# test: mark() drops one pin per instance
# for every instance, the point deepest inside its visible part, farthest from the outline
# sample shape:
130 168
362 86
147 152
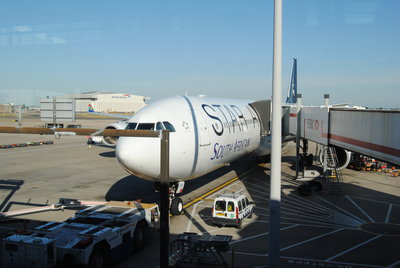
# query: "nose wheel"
176 206
175 203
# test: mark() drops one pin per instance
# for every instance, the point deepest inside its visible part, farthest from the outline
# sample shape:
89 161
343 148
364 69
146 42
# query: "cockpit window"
165 125
131 126
169 126
159 126
145 126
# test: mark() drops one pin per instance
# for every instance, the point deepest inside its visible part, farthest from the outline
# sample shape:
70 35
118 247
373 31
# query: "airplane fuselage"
206 133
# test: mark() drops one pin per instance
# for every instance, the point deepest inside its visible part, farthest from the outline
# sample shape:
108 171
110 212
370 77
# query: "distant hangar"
107 102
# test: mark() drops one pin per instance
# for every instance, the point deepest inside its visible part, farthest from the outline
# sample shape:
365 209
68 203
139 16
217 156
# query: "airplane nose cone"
139 156
122 153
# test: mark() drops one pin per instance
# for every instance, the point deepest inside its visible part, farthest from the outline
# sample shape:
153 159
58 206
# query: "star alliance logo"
185 125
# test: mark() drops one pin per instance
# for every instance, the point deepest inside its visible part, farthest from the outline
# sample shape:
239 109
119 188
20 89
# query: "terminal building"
107 102
7 108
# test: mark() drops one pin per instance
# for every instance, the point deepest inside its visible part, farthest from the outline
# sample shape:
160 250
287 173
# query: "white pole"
275 187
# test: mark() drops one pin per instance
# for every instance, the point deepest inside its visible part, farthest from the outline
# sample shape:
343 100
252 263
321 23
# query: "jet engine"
112 140
343 157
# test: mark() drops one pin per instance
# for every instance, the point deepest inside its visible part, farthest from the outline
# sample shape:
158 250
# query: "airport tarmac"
321 230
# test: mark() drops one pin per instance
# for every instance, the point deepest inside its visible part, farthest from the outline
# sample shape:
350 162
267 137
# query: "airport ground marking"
388 213
248 238
372 200
262 214
209 193
260 207
201 205
254 188
345 211
218 188
258 197
215 230
359 208
322 224
32 150
322 218
321 212
332 227
313 207
228 188
331 262
262 234
311 239
191 217
250 254
352 248
311 225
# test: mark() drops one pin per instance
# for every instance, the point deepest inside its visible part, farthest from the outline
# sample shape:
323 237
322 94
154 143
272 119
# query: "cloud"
361 12
22 28
58 40
42 36
45 38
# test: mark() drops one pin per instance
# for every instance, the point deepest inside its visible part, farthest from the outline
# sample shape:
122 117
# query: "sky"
220 48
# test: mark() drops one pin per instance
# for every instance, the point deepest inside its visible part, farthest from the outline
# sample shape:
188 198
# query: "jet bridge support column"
324 148
298 135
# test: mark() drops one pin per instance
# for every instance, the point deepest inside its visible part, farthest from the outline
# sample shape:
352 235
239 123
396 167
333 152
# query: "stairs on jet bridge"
333 176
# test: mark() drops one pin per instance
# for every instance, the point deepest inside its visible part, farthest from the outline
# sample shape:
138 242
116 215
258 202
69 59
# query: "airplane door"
204 135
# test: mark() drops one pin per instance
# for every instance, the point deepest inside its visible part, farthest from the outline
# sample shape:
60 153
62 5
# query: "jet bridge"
370 132
263 110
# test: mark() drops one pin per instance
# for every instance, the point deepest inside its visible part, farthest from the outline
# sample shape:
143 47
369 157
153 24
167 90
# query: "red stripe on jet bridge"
293 115
367 145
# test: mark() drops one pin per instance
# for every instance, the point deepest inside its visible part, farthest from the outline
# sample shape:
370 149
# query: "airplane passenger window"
145 126
131 126
169 126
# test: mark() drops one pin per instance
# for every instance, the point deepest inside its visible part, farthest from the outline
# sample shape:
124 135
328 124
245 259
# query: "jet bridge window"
145 126
131 126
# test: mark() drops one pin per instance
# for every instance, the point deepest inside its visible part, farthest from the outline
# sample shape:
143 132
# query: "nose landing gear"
175 203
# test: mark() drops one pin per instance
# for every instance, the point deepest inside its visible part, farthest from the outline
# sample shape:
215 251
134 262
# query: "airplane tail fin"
90 108
292 92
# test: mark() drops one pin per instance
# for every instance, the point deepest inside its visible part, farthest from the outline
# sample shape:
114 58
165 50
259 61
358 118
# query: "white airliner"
205 134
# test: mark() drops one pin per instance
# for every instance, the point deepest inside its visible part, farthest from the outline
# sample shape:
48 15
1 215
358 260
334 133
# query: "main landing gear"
175 203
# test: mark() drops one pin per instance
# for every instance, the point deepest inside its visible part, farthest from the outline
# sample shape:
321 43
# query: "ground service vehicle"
231 209
94 237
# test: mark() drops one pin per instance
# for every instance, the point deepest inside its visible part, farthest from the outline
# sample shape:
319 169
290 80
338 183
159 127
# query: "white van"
231 209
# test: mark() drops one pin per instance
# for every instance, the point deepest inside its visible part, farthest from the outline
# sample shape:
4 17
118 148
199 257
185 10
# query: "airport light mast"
275 186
